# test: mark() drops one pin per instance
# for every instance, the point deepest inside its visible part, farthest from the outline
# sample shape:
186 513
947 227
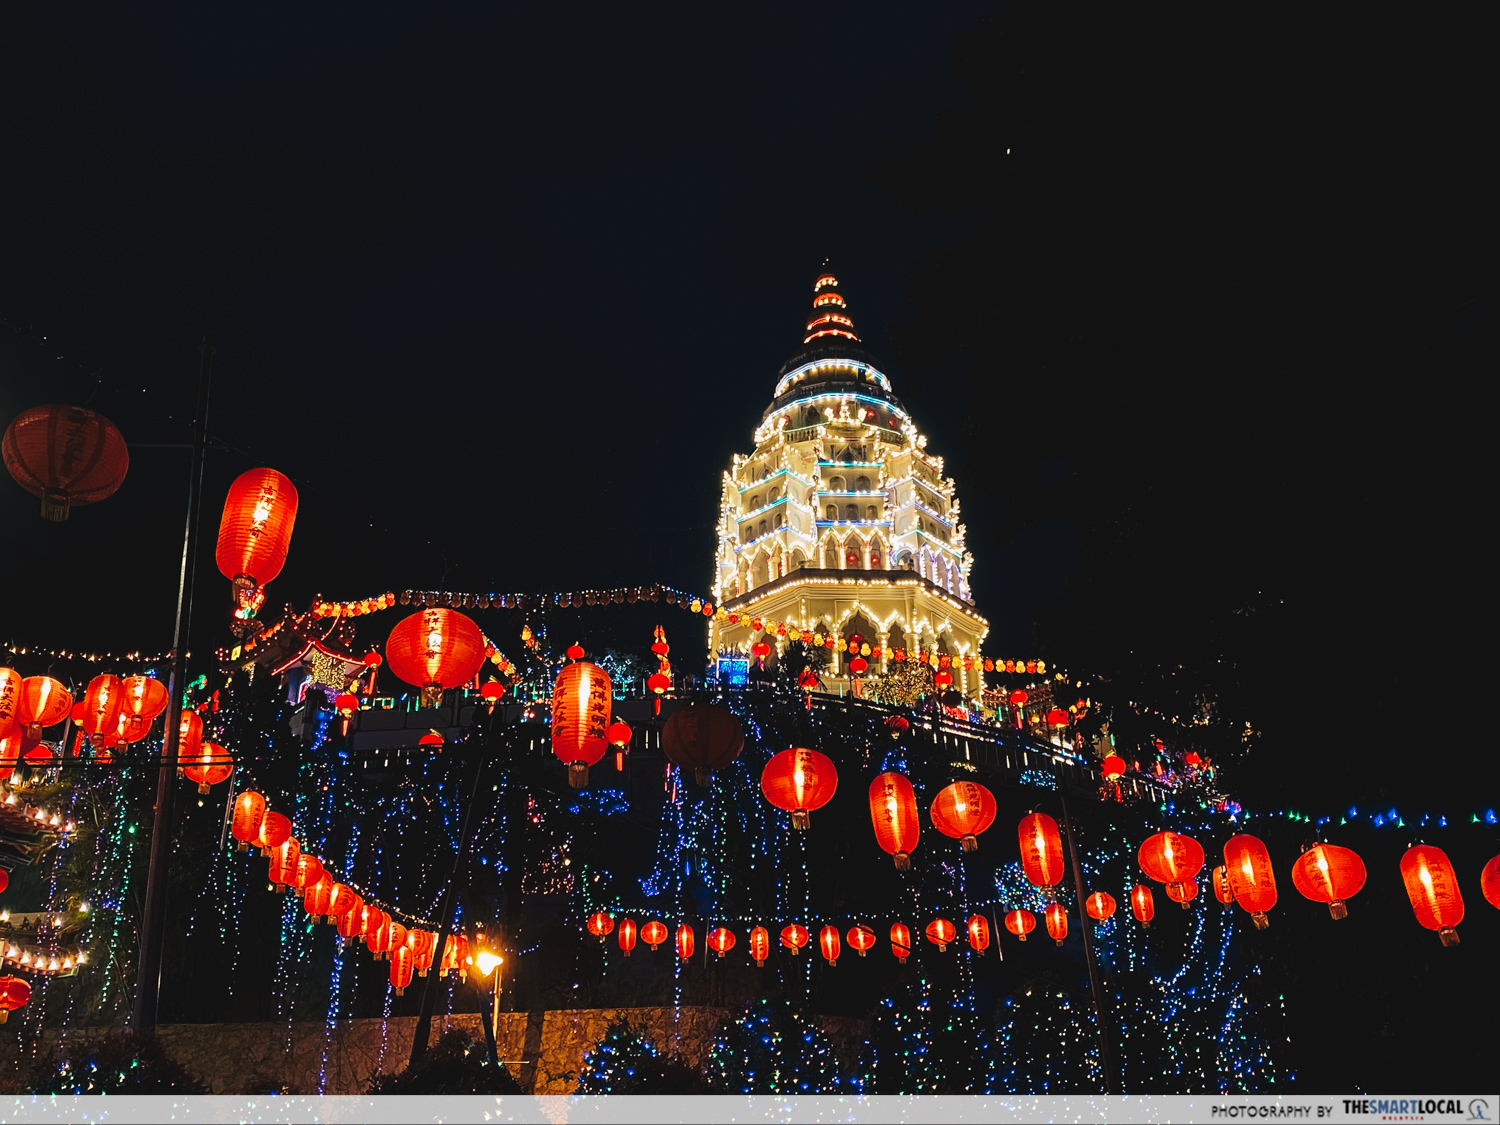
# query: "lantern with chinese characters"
1020 923
143 699
1099 906
799 780
963 810
861 939
423 947
1142 905
10 698
900 941
794 937
455 957
436 649
828 944
979 934
43 702
580 718
249 811
212 765
1183 893
189 738
274 828
1433 889
626 936
1489 882
307 872
1331 874
685 942
101 703
15 992
1113 768
760 945
893 810
1041 850
941 933
720 940
704 737
1171 858
1247 866
1219 878
256 530
284 862
351 922
65 456
403 961
342 901
317 895
1057 922
653 933
601 925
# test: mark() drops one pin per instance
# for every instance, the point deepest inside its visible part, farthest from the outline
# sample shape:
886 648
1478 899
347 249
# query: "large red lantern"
1113 768
341 901
378 934
1219 877
10 752
274 828
1020 923
1171 858
249 811
189 738
213 765
600 925
760 945
794 937
284 862
861 939
15 992
10 699
403 961
1142 905
941 933
1017 697
1099 906
351 922
101 702
799 780
963 810
1057 922
423 947
653 933
1489 882
720 940
44 702
704 737
900 941
455 956
436 649
65 455
317 894
1433 889
979 934
308 871
1057 718
828 944
893 809
580 718
897 725
626 936
256 529
1041 850
685 942
144 699
1247 865
1331 874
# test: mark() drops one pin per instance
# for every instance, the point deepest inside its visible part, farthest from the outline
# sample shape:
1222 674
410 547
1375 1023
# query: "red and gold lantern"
963 810
64 455
436 649
1020 923
720 940
1331 874
256 529
1099 906
1113 768
1247 865
1171 858
1433 889
1142 905
580 718
702 737
900 941
43 702
143 699
626 936
317 895
274 828
1057 922
351 922
284 862
249 811
979 934
403 961
101 703
653 933
1219 878
828 944
15 993
1489 882
760 945
342 900
799 780
685 942
600 925
212 765
941 933
1041 850
1183 893
861 939
893 810
794 937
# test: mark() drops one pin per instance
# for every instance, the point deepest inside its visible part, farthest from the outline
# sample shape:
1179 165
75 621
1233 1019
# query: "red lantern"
601 924
1171 858
619 735
828 944
317 895
1142 905
1099 906
249 811
213 765
284 862
900 941
627 935
760 650
14 994
1114 768
858 666
685 942
307 872
431 741
979 934
893 810
704 737
1433 889
963 810
720 940
345 704
1057 922
1057 718
274 828
423 947
1489 882
1192 759
455 956
403 960
1017 697
351 922
65 455
1183 892
799 780
897 725
1222 891
660 683
43 702
256 529
144 698
760 945
653 933
941 932
1041 850
1331 874
794 937
580 718
575 652
378 933
10 752
943 680
1020 923
436 649
189 738
491 693
1248 867
101 703
861 939
342 901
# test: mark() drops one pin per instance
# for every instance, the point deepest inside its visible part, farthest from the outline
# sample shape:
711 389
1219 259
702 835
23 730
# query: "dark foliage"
625 1062
117 1064
455 1064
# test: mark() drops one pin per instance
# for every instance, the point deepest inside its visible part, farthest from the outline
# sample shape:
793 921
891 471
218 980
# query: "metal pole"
153 921
1106 1048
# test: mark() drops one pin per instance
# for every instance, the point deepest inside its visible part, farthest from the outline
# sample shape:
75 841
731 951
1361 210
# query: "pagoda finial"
830 315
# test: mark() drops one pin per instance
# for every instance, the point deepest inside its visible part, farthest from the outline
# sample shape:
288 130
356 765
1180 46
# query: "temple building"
841 520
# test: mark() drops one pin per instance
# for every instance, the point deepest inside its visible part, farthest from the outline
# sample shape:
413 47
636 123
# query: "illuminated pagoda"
841 521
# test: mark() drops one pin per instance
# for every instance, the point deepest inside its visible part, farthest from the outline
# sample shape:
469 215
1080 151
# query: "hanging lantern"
10 699
1192 760
65 455
1331 874
1041 850
619 735
1433 889
274 828
1057 922
627 935
900 941
1018 697
794 937
897 725
760 945
43 702
574 652
1489 881
318 894
249 811
943 680
858 666
660 683
963 810
342 901
256 530
213 765
1113 768
1057 718
941 932
703 736
10 752
101 703
1171 858
685 942
455 956
580 718
1141 904
491 692
1099 906
143 699
284 863
799 780
423 947
1184 892
403 961
345 704
189 738
351 922
1247 866
653 933
861 939
1222 890
720 940
893 810
979 934
436 649
828 944
1020 923
308 870
15 992
600 925
378 935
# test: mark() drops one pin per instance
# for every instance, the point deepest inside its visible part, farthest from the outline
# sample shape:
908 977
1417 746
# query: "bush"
455 1064
117 1064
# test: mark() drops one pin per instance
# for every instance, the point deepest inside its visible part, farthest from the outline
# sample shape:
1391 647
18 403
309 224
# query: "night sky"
503 288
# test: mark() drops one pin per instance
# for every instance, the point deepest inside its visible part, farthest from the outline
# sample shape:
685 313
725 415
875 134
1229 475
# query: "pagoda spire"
829 320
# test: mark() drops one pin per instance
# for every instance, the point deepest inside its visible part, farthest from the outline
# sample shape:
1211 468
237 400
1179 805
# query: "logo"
1478 1110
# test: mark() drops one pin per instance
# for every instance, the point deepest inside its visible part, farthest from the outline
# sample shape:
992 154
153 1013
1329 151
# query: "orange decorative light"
342 900
626 936
189 738
43 702
580 718
794 937
1020 923
861 939
963 810
760 944
828 944
423 947
317 895
1099 906
256 529
1183 892
249 811
1222 890
653 933
284 862
1247 866
1017 697
101 703
15 992
1057 922
1489 882
979 934
308 870
403 961
65 455
893 810
351 921
212 765
274 828
1142 905
685 942
1171 858
1041 850
720 940
1331 874
900 941
1433 889
941 933
436 649
601 924
143 699
1113 768
799 780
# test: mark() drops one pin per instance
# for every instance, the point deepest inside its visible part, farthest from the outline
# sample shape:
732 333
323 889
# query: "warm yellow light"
486 962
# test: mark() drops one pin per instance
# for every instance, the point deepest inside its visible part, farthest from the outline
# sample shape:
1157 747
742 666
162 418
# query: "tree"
774 1049
456 1064
626 1062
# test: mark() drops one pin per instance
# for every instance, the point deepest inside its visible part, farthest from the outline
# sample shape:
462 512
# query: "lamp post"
487 963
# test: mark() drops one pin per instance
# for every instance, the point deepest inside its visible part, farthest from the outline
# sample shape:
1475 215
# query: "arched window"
755 502
778 519
799 560
762 528
836 484
774 496
904 561
851 511
749 533
832 512
863 484
830 556
761 571
869 511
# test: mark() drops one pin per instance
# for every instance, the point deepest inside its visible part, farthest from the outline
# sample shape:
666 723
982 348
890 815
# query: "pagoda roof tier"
854 580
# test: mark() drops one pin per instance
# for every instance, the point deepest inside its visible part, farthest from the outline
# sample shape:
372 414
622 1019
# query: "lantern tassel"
703 776
1448 936
903 863
799 820
970 844
578 775
1338 909
1261 921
